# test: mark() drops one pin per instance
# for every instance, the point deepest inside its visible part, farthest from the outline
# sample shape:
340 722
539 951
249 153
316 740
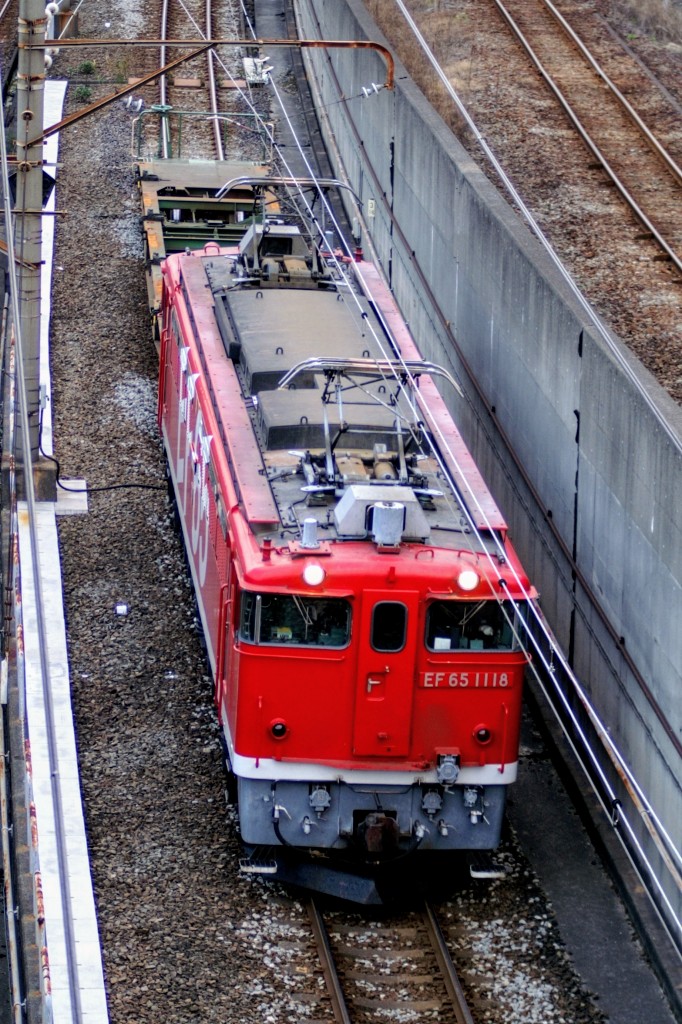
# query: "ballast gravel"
185 937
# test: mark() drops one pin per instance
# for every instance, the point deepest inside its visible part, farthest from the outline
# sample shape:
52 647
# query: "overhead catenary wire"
647 813
495 568
605 334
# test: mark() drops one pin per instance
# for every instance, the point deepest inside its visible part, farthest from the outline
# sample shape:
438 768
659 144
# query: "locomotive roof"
344 434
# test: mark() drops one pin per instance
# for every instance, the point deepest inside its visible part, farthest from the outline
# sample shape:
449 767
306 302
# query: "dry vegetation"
660 18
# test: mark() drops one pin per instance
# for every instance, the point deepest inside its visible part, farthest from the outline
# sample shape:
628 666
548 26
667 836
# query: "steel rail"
444 962
331 977
212 90
453 985
636 59
612 752
211 79
163 86
119 94
587 138
546 514
597 323
657 147
211 87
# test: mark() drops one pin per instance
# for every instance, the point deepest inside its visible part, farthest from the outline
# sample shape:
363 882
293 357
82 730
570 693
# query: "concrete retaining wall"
586 419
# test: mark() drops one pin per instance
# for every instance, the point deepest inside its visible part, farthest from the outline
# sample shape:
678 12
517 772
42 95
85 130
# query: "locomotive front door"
386 673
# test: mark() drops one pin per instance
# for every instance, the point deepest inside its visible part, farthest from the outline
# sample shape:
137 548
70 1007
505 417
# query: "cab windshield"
294 619
470 625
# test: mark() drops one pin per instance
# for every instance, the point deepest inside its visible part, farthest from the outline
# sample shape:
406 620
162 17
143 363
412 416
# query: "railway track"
193 91
184 936
200 96
402 967
631 282
642 169
593 597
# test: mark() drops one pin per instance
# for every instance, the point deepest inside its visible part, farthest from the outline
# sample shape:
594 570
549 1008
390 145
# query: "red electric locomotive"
358 593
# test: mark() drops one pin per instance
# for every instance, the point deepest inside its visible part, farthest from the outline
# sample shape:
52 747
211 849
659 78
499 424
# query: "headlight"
313 574
468 579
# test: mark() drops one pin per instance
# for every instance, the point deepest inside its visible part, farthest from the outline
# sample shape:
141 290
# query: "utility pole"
28 211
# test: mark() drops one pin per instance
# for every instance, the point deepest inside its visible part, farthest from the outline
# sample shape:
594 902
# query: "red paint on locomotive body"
360 632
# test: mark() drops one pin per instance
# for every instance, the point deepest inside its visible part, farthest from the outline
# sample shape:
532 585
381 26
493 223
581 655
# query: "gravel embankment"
185 938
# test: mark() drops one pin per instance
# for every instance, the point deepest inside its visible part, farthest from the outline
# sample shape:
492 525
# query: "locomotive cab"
383 681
